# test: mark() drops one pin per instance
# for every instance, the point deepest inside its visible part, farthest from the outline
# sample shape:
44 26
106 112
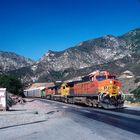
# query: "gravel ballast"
33 111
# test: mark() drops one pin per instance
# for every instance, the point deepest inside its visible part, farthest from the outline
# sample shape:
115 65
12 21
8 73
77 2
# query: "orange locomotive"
99 89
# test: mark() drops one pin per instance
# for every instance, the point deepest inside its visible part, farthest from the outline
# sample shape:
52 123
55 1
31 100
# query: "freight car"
100 89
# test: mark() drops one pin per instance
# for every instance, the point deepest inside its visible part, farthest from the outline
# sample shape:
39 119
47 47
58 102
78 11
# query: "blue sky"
32 27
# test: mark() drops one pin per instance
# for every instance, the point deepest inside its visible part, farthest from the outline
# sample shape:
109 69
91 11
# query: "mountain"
11 61
132 39
87 53
94 52
114 53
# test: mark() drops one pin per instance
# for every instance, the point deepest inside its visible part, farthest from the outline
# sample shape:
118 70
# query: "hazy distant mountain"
116 54
11 61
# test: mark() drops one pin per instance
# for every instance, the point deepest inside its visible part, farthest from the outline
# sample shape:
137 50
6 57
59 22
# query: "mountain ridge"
12 61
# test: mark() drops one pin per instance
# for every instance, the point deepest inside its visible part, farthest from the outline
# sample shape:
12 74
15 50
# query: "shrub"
12 84
136 93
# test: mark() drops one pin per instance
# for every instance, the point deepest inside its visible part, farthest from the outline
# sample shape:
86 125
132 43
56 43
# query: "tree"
136 93
12 84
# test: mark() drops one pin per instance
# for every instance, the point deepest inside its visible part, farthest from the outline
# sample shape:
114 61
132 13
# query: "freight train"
98 89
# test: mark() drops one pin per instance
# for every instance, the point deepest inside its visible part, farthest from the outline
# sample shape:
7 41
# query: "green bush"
136 93
129 98
12 84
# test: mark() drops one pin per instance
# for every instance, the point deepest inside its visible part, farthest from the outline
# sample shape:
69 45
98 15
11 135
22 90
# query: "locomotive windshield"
111 77
100 78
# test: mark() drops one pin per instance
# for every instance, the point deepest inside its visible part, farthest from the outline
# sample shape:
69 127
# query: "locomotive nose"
114 87
110 86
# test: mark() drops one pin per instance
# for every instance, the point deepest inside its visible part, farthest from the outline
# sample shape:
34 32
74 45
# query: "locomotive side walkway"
43 119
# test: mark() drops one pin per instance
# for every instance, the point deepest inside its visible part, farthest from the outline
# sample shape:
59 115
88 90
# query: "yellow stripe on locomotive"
64 89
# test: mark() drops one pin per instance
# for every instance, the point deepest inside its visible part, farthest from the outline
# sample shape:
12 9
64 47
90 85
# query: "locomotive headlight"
111 82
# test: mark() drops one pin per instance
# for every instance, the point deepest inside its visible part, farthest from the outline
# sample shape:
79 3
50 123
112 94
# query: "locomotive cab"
108 89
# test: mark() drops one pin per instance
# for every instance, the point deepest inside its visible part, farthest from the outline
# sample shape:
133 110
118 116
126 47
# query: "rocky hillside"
116 54
132 39
11 61
87 53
